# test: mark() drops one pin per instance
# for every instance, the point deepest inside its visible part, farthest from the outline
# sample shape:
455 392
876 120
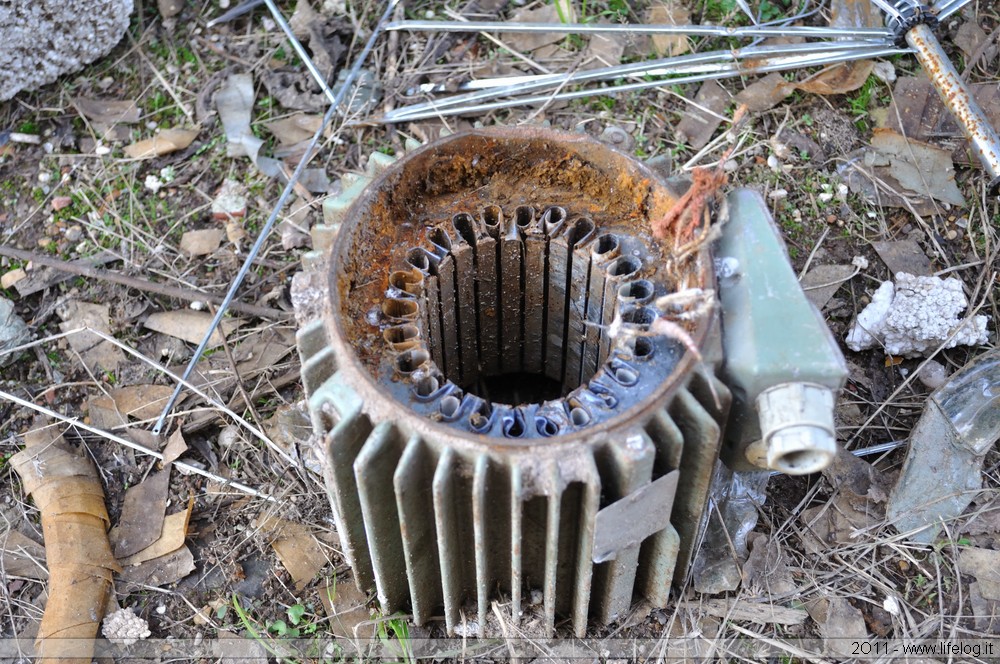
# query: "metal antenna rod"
265 231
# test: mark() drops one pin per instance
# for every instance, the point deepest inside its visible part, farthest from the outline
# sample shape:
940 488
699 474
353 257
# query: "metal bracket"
629 521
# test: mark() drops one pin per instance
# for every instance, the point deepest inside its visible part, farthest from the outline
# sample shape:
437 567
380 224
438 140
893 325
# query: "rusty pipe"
959 100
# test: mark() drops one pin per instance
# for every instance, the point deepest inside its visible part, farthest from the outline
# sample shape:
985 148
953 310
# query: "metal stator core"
486 391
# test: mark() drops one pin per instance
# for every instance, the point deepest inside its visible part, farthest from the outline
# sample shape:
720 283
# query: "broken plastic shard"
943 467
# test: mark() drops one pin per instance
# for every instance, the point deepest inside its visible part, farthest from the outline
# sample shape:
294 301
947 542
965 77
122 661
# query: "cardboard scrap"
839 623
297 548
822 281
201 242
68 493
176 446
347 609
161 571
903 256
703 117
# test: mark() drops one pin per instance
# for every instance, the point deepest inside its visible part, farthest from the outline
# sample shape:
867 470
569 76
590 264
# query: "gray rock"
44 39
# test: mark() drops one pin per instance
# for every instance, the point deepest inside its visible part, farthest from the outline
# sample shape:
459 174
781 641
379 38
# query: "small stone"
102 150
161 609
778 194
831 218
932 374
825 198
730 165
153 183
772 163
952 234
60 202
44 176
74 233
885 72
229 202
12 277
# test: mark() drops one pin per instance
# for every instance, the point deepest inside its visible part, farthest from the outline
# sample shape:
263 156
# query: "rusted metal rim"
486 254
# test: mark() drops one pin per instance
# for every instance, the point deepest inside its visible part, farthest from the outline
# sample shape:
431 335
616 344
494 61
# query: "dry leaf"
12 277
108 111
821 282
189 325
141 401
68 493
172 537
904 256
165 142
297 549
22 556
527 42
839 623
347 610
700 120
161 571
671 12
176 446
141 521
765 93
838 79
984 564
99 355
295 128
201 243
919 167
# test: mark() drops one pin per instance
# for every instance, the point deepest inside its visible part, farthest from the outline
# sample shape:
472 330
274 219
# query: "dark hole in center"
518 388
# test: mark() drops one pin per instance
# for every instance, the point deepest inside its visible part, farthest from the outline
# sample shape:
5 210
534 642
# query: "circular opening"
450 405
802 462
625 375
642 348
492 216
400 334
417 257
411 360
427 386
639 291
606 244
399 309
639 316
407 281
523 216
625 266
579 417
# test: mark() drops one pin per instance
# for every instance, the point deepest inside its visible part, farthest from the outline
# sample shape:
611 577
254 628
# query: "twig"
139 284
201 421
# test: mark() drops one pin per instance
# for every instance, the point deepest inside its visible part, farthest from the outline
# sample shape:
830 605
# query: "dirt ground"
76 193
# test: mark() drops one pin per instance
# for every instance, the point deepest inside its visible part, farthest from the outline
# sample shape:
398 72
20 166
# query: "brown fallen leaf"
347 610
141 402
903 256
172 537
822 281
142 516
108 111
165 142
669 12
838 79
765 93
99 355
22 556
527 42
68 493
176 446
297 549
161 571
984 564
700 120
839 623
201 243
919 167
189 325
295 128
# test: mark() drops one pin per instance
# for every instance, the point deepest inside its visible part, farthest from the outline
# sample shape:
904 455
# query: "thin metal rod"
661 67
639 29
684 64
946 8
886 7
266 230
279 18
186 467
959 100
736 69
